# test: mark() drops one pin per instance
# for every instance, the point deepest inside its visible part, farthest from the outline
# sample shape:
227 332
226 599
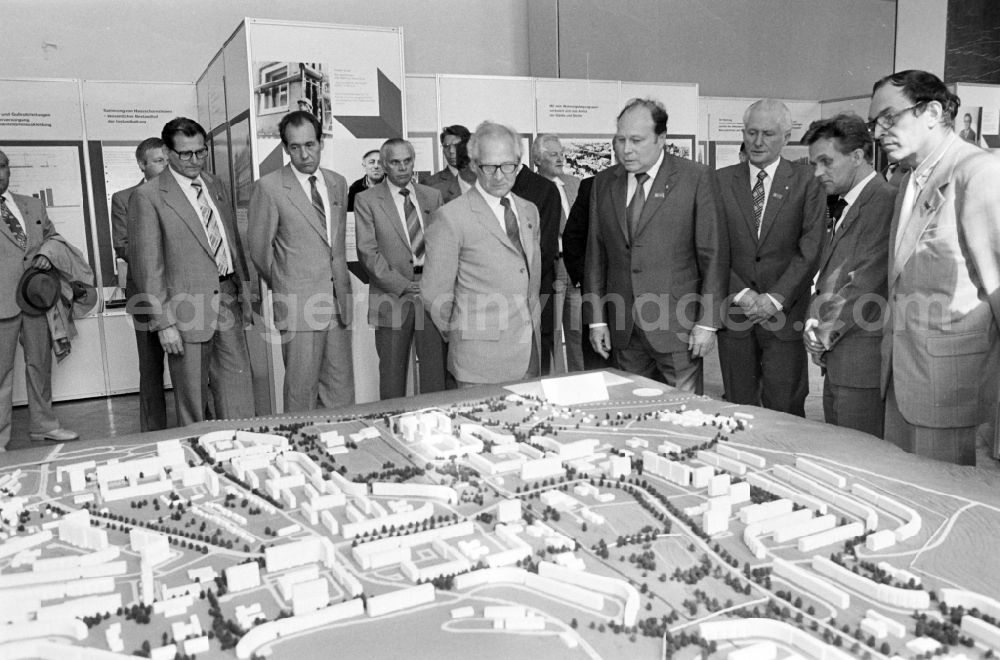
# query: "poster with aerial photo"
680 145
586 156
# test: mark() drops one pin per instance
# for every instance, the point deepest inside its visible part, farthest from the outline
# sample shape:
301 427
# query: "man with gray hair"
547 157
482 270
775 214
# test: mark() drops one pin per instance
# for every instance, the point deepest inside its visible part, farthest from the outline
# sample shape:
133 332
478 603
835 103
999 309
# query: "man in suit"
190 272
151 157
547 157
374 174
656 253
844 330
25 227
574 250
941 347
775 214
297 230
481 276
391 222
451 137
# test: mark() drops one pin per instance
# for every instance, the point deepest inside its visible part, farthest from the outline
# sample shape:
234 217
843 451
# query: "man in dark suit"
297 233
374 174
151 157
391 222
656 253
574 247
547 157
775 215
451 137
545 196
844 330
190 272
25 226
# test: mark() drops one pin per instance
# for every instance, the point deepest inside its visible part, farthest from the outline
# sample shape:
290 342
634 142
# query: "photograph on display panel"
586 155
281 87
681 145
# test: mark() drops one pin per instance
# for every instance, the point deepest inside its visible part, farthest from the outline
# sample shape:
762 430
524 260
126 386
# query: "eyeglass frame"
187 156
491 170
886 122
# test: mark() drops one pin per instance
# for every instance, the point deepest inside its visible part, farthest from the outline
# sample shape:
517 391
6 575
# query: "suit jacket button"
215 291
636 270
752 283
757 259
331 279
522 270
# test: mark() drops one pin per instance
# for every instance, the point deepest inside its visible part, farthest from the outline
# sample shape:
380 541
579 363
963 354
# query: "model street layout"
651 525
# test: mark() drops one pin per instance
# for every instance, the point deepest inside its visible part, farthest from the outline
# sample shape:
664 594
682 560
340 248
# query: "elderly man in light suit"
297 230
24 226
941 350
190 272
481 278
844 330
392 220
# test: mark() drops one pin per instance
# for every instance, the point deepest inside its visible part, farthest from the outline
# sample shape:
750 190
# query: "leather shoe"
57 435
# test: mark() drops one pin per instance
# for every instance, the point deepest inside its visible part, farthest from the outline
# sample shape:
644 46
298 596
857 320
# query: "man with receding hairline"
775 214
941 347
374 174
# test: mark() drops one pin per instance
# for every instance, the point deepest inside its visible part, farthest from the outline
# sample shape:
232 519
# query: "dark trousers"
860 408
677 369
152 397
758 369
393 348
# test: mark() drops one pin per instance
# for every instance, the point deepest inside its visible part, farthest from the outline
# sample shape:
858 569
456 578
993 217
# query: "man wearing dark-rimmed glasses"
940 348
190 272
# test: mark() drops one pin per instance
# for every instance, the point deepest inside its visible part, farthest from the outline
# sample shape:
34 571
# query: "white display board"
421 104
470 100
721 118
857 104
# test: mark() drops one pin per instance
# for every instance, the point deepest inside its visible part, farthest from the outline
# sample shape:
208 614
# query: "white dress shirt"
303 180
398 200
915 185
494 203
852 196
192 197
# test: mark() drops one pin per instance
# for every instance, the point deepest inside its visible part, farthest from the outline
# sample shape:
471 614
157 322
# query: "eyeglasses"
888 121
188 155
506 168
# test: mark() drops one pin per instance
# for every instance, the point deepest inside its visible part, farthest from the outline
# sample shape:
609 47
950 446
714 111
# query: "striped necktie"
413 224
636 203
13 224
211 224
758 200
317 201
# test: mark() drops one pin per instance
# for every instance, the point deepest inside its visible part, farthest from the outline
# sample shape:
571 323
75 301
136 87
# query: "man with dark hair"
774 212
190 272
968 133
297 234
481 275
656 253
374 174
151 158
843 333
941 347
392 221
451 137
25 226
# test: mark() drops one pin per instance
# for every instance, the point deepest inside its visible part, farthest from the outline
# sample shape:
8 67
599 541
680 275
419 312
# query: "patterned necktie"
510 223
638 201
758 200
317 201
412 224
13 224
836 210
211 223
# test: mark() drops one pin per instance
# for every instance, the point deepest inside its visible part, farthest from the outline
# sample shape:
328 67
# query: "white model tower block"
619 466
718 485
243 576
310 596
152 547
508 511
701 475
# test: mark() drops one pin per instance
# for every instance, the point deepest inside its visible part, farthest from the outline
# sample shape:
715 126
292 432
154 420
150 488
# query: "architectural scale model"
644 526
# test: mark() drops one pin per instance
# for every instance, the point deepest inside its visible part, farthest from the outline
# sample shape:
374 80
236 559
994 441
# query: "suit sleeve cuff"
775 301
706 327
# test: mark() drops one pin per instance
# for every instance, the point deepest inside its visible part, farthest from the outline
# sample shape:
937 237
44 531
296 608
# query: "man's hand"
701 342
747 301
41 262
763 309
600 339
814 346
171 342
412 287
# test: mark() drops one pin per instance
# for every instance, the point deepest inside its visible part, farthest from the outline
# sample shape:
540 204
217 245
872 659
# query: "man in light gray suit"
297 230
547 156
190 272
392 219
482 274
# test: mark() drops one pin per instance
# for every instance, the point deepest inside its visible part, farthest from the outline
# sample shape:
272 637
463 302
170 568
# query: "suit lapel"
829 245
658 191
894 265
424 201
485 216
175 198
779 192
744 198
619 192
390 210
5 230
297 198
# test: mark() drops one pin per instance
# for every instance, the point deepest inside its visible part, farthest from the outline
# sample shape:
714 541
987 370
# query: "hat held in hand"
37 291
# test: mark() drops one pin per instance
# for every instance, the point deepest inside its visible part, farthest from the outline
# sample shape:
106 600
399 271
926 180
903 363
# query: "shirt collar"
652 171
926 167
303 178
183 181
394 189
492 200
770 169
453 170
853 193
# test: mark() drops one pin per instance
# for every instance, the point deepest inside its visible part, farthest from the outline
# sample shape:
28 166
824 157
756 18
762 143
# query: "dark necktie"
836 210
412 224
758 200
13 224
636 204
510 223
317 201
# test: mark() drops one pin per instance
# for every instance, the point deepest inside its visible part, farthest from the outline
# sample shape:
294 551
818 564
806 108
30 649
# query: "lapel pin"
777 195
659 195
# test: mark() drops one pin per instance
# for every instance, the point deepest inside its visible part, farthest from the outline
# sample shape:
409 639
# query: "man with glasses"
656 255
940 350
297 234
191 273
482 269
